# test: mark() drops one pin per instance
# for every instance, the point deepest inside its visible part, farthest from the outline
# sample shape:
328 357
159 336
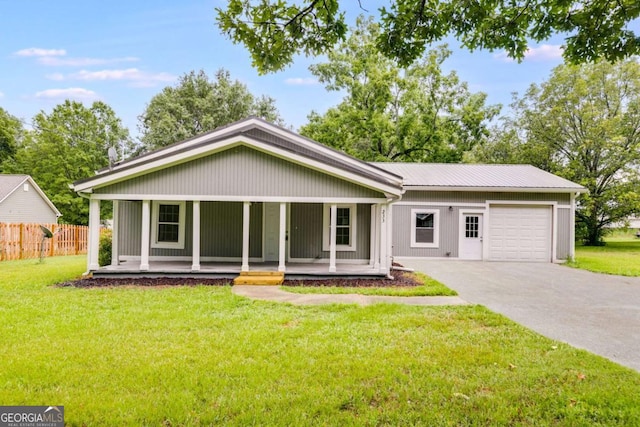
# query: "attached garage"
520 233
483 212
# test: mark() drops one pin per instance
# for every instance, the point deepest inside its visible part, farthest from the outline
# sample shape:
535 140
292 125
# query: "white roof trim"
330 152
26 178
160 163
163 152
226 198
38 190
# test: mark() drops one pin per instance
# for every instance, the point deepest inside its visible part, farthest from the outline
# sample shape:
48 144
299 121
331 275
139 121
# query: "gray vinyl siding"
480 197
240 171
27 207
564 235
305 232
129 228
220 228
449 219
448 232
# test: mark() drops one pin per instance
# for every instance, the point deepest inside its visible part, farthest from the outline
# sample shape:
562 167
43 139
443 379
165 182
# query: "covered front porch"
213 237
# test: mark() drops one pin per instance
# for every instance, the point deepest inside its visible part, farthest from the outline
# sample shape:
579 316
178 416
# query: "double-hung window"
168 224
345 227
424 228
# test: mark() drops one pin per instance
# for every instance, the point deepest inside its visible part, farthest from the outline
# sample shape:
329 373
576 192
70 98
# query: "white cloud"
301 81
35 51
69 93
545 52
82 62
502 56
55 76
136 77
1 94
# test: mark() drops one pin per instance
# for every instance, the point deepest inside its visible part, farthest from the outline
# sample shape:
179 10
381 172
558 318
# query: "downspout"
390 201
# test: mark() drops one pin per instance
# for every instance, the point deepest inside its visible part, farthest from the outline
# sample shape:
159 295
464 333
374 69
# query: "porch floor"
231 270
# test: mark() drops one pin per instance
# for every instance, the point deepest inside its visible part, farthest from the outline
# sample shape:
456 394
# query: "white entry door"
470 236
271 231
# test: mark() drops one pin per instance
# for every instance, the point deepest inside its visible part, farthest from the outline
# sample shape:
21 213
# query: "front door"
471 236
271 231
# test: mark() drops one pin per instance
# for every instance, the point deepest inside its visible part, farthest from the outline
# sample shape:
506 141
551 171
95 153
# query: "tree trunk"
594 231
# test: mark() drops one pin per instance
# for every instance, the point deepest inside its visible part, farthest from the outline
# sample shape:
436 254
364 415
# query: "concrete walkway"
596 312
274 293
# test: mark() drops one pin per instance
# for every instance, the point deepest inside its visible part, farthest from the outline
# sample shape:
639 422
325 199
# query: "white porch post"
384 230
114 233
94 234
245 236
282 237
195 251
332 238
144 240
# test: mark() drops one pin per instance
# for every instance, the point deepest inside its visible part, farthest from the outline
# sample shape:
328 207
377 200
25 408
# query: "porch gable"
239 171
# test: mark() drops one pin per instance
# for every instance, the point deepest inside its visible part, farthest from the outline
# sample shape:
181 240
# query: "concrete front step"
259 278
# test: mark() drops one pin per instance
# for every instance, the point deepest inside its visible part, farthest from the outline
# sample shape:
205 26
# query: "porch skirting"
228 269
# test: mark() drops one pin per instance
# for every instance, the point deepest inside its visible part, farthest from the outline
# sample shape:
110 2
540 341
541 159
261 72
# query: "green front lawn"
204 356
620 255
430 287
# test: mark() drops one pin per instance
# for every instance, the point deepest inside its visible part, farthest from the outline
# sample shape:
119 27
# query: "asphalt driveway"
596 312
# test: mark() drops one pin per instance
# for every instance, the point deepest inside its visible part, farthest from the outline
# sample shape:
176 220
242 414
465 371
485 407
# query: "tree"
274 31
389 113
582 124
196 105
11 132
66 145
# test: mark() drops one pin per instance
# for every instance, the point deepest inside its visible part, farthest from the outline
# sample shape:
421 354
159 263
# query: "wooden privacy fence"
22 241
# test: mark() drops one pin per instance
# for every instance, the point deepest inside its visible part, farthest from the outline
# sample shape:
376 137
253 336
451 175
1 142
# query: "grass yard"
204 356
430 287
620 255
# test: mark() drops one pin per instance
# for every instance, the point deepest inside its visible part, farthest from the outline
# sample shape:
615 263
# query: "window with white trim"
168 224
345 227
425 228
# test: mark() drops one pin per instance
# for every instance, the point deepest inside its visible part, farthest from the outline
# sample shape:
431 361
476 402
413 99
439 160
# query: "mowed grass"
204 356
620 255
430 287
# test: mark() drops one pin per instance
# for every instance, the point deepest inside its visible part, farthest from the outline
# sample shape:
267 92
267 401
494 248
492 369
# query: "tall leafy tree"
274 31
583 124
411 114
11 132
66 145
197 104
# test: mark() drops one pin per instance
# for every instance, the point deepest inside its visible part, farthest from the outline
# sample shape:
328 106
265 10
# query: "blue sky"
125 52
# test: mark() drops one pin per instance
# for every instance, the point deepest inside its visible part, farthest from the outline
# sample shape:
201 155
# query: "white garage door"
520 233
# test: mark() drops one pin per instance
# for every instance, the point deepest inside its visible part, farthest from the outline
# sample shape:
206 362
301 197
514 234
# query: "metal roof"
258 130
478 176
